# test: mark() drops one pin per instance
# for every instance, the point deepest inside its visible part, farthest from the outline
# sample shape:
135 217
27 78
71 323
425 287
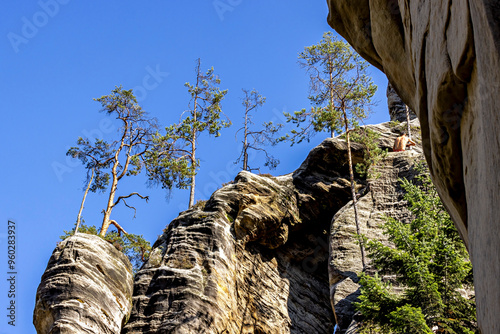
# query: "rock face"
262 255
87 288
443 59
255 258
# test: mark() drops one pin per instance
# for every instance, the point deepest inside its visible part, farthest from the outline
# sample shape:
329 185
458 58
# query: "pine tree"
431 264
341 93
254 139
203 115
110 162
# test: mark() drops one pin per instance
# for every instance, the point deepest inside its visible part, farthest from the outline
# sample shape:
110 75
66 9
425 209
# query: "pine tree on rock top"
204 114
107 163
340 94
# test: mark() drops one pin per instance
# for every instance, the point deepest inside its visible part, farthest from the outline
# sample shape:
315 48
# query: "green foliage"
134 246
372 152
430 262
109 162
340 90
393 124
254 139
172 160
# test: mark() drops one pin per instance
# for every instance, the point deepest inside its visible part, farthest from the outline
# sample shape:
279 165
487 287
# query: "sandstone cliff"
443 58
262 255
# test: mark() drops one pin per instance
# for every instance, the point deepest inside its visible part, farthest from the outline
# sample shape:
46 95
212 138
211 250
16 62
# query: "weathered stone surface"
254 260
397 108
86 288
443 59
383 197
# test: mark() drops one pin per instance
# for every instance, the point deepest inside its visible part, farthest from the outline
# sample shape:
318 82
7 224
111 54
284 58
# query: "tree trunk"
353 193
193 139
107 213
245 142
78 218
408 124
193 178
332 132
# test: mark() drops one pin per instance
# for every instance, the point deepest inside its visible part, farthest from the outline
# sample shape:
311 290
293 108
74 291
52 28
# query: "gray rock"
397 108
86 288
255 258
443 58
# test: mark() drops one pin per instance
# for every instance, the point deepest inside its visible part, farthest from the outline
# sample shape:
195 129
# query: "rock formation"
255 258
86 288
397 108
262 255
383 198
443 59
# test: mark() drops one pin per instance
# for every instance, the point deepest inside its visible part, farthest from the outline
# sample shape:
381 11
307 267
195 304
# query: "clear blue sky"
57 55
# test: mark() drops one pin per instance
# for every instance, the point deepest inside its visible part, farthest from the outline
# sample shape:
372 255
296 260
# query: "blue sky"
57 55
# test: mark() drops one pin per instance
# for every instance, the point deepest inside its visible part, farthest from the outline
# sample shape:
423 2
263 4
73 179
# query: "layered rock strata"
253 260
443 58
86 288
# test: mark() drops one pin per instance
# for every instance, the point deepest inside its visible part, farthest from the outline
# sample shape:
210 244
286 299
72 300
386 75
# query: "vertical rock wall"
383 198
397 108
443 57
253 260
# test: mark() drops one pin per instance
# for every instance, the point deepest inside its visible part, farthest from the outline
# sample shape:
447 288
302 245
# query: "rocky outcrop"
262 255
255 257
397 108
86 288
253 260
443 57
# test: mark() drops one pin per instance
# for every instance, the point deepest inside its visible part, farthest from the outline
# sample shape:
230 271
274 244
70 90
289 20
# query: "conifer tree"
254 139
431 264
341 93
109 162
204 114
